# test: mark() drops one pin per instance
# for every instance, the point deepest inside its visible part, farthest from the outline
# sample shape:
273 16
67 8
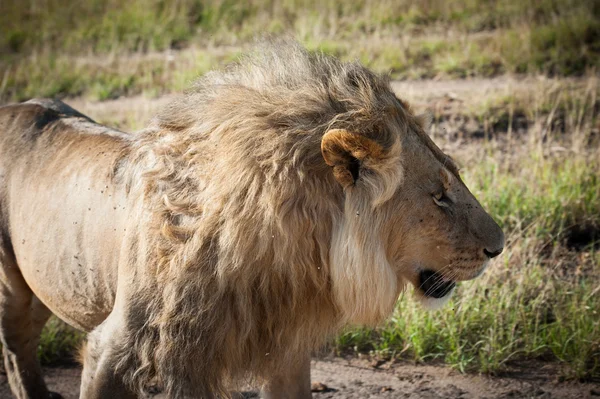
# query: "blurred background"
512 88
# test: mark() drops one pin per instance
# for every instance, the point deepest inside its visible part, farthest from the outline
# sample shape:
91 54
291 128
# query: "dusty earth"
353 379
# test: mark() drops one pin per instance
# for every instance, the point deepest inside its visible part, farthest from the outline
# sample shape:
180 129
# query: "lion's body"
217 244
56 173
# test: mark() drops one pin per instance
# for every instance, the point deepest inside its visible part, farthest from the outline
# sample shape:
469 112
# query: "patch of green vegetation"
99 26
554 193
59 343
512 314
47 75
566 46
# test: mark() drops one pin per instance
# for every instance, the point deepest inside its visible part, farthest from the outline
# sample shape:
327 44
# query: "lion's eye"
441 199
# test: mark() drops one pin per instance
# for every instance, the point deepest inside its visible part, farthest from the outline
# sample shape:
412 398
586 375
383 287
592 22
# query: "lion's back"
23 125
39 128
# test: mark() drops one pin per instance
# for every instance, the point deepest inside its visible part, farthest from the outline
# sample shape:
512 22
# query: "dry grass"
106 49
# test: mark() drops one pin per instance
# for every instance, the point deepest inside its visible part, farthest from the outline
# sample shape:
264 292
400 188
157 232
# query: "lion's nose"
492 254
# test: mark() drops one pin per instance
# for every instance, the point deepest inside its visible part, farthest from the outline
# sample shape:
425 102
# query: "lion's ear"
346 153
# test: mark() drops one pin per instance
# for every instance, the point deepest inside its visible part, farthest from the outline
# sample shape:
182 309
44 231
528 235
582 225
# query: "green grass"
510 314
108 77
58 343
140 25
546 193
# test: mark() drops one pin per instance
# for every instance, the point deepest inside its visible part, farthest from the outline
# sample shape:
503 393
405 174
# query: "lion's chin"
431 303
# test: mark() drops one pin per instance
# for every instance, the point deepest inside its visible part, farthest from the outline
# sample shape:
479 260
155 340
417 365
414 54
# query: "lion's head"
407 214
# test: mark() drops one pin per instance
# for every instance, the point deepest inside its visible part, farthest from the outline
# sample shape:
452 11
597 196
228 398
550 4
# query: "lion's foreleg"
292 382
99 378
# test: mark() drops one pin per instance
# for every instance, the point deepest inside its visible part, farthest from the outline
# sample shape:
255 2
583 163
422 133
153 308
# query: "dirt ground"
357 379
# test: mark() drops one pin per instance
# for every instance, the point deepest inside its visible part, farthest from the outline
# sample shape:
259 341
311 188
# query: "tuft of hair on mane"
244 217
283 84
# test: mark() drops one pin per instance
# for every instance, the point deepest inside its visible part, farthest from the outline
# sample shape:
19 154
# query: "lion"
273 203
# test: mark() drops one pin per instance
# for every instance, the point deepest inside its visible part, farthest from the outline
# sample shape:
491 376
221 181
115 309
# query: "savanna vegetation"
529 150
108 48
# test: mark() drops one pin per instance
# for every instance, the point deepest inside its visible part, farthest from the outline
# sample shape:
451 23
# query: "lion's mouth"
434 285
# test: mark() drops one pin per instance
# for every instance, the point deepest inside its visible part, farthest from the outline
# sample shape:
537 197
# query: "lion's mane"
237 274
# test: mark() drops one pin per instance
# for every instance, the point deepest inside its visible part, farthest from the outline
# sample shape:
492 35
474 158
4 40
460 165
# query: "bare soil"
357 379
